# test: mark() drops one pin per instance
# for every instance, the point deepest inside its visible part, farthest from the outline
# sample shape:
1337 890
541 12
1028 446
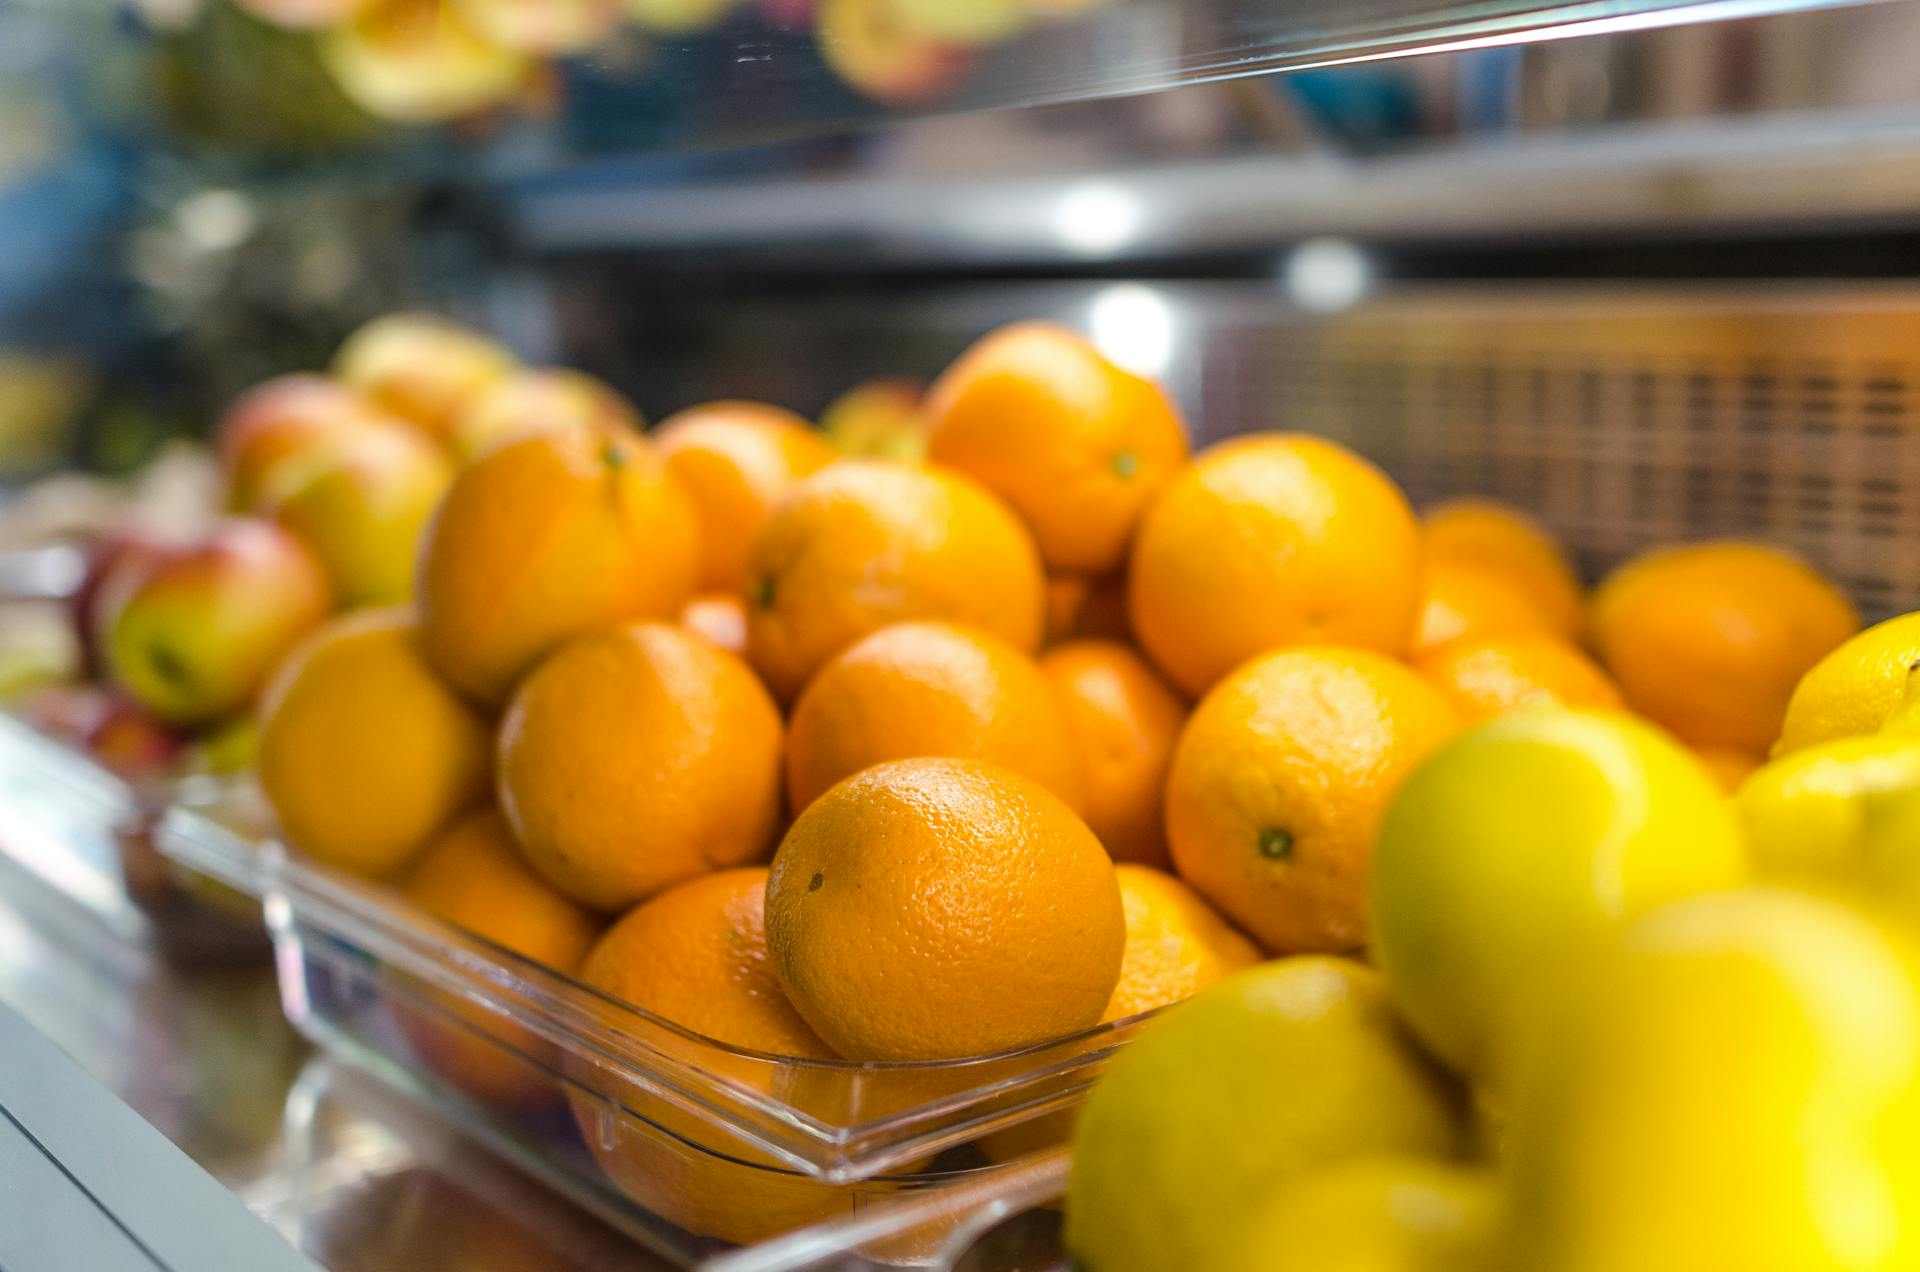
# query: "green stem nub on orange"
1126 463
1276 844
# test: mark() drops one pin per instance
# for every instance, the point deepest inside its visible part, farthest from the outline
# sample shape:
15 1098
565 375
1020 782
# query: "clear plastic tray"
694 1147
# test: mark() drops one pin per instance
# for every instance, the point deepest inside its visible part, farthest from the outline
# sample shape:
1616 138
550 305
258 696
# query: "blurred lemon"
1737 1090
1853 689
1517 843
1373 1214
1805 814
1276 1072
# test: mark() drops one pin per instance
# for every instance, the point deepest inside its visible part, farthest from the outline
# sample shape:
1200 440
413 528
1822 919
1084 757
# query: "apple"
192 632
360 502
423 369
962 21
867 45
536 400
542 26
788 15
131 743
881 419
276 421
303 15
123 547
420 61
678 16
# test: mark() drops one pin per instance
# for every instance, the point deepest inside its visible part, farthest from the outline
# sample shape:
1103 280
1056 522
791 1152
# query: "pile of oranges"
922 758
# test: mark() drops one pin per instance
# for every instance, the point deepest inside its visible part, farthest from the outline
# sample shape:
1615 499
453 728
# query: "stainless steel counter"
357 1176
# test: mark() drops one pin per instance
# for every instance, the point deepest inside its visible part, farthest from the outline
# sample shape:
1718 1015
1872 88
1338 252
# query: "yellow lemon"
1372 1214
1265 1077
1520 841
1805 814
1735 1088
1853 689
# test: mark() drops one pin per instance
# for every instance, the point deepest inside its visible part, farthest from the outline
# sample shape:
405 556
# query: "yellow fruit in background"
364 755
1734 1088
737 461
423 368
419 61
635 758
1805 814
1260 1081
1267 541
536 400
1505 541
1855 688
677 16
881 419
1493 676
1124 720
935 909
1708 640
1373 1214
1517 845
864 543
546 537
1035 413
1278 783
1465 602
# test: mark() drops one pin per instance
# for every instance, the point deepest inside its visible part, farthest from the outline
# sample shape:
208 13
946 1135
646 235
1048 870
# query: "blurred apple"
867 45
420 61
538 400
123 546
423 368
360 502
677 15
131 743
303 15
542 26
192 632
881 419
788 15
278 420
962 21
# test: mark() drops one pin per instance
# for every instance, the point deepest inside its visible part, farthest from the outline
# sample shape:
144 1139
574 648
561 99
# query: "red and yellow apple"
360 502
132 743
192 632
867 45
539 400
542 27
117 549
424 369
304 15
420 61
277 421
881 419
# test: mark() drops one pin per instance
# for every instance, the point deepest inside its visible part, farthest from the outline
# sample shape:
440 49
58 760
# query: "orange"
1279 782
637 757
1085 607
1075 444
1507 542
537 400
719 617
1123 720
472 877
545 537
696 955
1272 540
914 689
1709 639
364 755
935 908
1465 602
864 543
1730 768
737 460
1486 677
423 368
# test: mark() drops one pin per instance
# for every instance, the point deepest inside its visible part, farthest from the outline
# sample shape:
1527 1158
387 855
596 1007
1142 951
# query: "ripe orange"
1123 720
1507 542
538 400
933 909
697 955
737 460
472 876
421 367
864 543
1709 639
1466 602
364 755
914 689
1078 446
1267 541
545 537
1279 782
637 757
1486 677
719 617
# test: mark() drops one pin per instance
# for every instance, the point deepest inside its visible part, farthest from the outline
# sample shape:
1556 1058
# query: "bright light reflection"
1133 326
1097 218
1327 273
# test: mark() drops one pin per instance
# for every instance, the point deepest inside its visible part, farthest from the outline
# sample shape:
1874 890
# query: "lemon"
1804 814
1373 1214
1515 845
1286 1067
1737 1089
1890 847
1853 689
